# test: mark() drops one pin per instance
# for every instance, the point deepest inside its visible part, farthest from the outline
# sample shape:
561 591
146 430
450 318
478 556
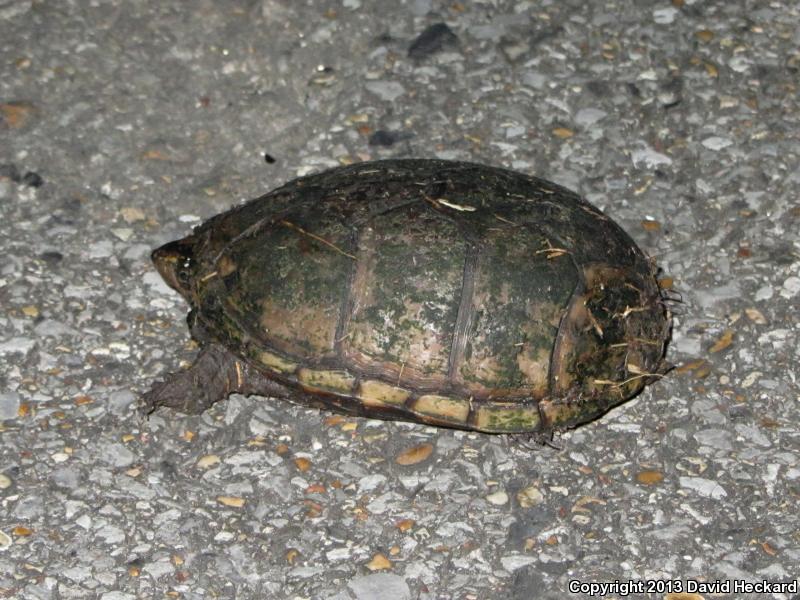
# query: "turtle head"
176 263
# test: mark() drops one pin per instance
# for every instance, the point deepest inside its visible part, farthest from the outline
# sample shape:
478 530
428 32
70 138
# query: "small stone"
380 586
649 477
302 464
405 524
751 378
386 90
117 596
756 316
30 311
665 16
32 179
513 562
414 455
16 115
131 214
119 401
764 292
650 158
739 63
9 405
384 138
704 35
209 460
791 287
379 563
716 142
59 457
66 477
563 133
497 498
370 482
514 49
5 481
650 225
123 233
589 116
432 40
17 345
529 497
232 501
725 340
117 455
704 487
5 540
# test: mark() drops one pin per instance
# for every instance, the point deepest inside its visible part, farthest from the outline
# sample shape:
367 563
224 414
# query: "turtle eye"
183 274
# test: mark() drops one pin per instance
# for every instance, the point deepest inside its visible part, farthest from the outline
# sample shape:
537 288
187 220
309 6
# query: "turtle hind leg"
214 375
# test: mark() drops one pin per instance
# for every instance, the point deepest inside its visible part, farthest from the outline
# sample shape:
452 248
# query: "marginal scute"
507 417
377 393
561 413
326 380
446 408
276 363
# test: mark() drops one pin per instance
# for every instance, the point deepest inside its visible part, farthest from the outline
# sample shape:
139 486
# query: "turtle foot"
176 393
194 390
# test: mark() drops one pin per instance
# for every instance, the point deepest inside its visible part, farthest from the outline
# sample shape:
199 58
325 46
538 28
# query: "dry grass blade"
321 240
552 252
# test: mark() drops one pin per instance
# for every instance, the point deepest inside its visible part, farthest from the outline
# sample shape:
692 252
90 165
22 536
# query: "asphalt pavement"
124 124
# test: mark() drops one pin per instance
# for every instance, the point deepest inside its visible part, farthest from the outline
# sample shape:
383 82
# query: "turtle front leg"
214 375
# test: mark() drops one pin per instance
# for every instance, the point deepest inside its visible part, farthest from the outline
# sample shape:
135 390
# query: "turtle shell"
448 293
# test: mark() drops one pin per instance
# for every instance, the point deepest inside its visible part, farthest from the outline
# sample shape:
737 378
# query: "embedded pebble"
650 158
791 287
9 405
17 345
120 401
497 498
386 90
433 39
530 496
716 143
589 116
512 562
380 586
665 16
117 455
704 487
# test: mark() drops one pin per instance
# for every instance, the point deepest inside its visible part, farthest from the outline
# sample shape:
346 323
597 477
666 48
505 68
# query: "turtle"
447 293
